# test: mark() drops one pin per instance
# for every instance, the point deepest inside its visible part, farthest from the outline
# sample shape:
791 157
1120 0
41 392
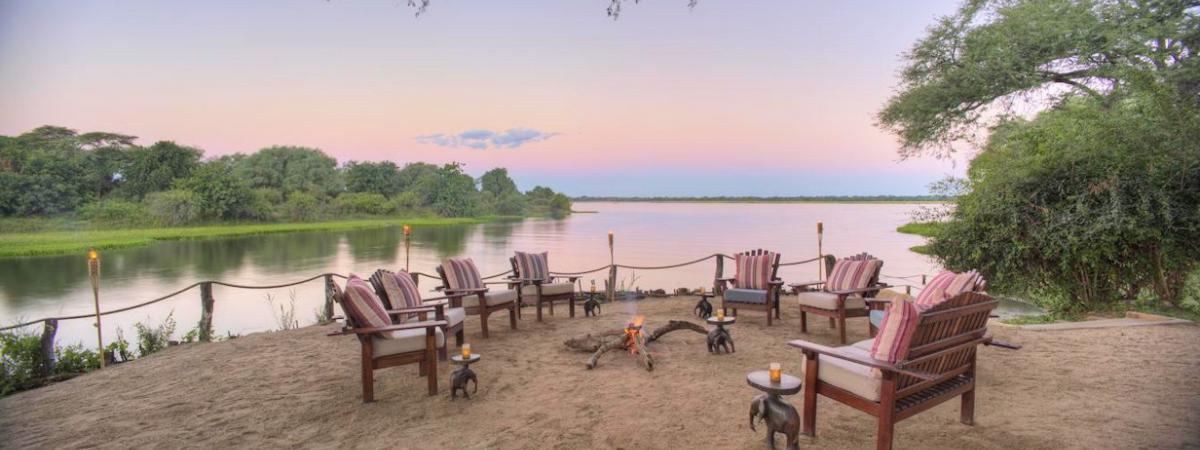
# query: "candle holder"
775 371
466 351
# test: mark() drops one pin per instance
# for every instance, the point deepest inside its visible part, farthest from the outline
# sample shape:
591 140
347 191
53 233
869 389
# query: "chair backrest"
530 259
864 256
944 341
358 314
774 270
460 274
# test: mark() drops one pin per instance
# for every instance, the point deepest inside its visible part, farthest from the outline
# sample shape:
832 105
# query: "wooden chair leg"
483 320
539 309
810 396
458 336
512 316
572 307
368 372
768 311
887 411
803 322
431 361
967 414
551 307
842 327
423 368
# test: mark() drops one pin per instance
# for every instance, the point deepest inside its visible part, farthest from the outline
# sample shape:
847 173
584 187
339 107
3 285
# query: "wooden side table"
719 338
779 415
460 377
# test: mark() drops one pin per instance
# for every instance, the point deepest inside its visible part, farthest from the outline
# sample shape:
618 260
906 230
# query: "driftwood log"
603 342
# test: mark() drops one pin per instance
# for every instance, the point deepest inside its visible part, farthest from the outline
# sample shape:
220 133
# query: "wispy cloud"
482 139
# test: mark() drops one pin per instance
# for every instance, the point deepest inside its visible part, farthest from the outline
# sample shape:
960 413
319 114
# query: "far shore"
59 242
841 200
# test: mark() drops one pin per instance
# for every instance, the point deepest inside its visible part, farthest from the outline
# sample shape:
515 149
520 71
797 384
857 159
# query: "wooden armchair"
849 282
943 285
399 290
461 277
938 365
754 285
538 285
390 345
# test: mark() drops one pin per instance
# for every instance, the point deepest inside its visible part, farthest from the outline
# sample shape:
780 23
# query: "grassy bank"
78 241
924 229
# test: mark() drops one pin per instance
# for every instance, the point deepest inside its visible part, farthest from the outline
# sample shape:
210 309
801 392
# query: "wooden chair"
543 290
837 304
876 306
448 308
737 297
482 301
940 365
413 342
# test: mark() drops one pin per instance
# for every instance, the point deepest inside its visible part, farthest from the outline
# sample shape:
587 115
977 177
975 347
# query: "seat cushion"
825 300
492 297
856 378
864 345
530 292
404 341
876 320
737 295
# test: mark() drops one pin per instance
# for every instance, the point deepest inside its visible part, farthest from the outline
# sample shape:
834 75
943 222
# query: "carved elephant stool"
770 408
703 308
719 338
591 307
459 378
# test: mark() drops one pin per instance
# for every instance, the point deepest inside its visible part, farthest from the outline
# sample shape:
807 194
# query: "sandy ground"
1106 388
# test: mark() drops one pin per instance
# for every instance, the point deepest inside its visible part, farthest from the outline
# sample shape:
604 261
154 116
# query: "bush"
219 193
115 212
263 203
174 207
20 361
153 339
404 202
361 203
74 359
300 206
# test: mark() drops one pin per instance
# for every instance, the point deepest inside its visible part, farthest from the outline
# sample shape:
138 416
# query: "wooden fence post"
206 311
49 327
612 282
329 297
720 274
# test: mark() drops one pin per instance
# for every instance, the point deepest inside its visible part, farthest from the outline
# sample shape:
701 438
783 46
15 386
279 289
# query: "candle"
720 314
701 290
407 230
776 372
466 351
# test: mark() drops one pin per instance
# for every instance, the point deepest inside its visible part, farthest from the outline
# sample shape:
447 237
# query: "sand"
1104 388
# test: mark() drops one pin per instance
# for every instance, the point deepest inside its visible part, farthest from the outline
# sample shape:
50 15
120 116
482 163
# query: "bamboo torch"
820 253
407 233
94 275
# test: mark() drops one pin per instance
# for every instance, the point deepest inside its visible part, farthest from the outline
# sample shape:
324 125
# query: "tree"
381 178
43 172
497 182
219 193
157 168
454 193
974 66
291 169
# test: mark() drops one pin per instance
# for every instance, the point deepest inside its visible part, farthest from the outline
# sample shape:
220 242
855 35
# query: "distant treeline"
107 178
795 199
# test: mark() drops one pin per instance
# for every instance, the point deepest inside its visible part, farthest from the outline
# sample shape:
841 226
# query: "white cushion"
454 316
530 292
864 345
492 297
825 300
405 341
856 378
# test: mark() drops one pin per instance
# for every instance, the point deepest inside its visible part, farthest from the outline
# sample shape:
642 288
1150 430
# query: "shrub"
219 193
114 212
361 203
74 359
300 206
263 203
20 361
153 339
174 207
404 202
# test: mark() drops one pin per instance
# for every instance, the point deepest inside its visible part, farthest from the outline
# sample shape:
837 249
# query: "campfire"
632 338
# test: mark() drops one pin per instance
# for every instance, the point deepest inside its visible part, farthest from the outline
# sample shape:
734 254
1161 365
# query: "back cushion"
533 265
753 271
947 285
852 274
896 331
361 304
462 274
401 289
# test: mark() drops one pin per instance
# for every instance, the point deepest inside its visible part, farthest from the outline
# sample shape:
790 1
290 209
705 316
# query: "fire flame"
632 331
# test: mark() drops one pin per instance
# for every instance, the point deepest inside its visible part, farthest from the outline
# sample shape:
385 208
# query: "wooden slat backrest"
338 297
512 260
774 261
945 340
442 273
377 283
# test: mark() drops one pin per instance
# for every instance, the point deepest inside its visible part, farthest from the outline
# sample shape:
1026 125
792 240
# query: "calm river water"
647 234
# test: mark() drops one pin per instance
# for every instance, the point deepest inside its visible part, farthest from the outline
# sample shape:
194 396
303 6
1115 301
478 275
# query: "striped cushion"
361 304
462 274
850 274
753 271
896 330
949 284
534 266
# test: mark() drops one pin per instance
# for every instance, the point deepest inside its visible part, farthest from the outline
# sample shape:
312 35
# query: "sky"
770 97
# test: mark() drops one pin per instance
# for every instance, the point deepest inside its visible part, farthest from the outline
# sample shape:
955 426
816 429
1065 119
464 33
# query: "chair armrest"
534 281
809 347
994 343
854 291
465 291
403 326
442 299
798 286
879 301
485 283
776 282
418 309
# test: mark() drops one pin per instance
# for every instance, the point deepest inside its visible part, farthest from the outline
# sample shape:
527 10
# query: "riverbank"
42 243
1102 388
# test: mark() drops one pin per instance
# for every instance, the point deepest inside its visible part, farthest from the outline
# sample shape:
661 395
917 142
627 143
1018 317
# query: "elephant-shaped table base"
719 339
591 307
459 379
780 417
703 308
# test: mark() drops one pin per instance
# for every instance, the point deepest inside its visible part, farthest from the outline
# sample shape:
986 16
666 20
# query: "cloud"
481 139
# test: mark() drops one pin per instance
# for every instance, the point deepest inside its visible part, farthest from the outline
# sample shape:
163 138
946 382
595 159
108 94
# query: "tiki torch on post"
94 274
612 269
407 233
820 254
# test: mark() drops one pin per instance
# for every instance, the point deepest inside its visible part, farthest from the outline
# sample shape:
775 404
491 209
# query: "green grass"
924 229
78 241
1032 319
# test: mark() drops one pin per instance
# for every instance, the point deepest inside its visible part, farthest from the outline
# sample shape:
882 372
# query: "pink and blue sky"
770 97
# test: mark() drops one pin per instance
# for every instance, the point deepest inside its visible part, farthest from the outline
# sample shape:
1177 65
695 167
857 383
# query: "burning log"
630 338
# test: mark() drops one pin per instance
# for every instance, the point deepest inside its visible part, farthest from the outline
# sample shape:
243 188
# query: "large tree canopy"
291 169
973 66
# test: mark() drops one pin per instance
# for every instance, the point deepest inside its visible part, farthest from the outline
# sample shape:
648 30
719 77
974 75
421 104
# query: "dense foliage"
106 179
1096 196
